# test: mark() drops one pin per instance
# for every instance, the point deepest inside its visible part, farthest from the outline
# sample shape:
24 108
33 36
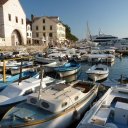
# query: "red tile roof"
2 2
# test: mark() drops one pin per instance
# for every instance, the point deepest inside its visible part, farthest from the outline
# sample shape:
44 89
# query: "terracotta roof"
2 2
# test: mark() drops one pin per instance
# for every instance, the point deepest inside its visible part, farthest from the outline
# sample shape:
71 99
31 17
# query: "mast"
41 75
89 37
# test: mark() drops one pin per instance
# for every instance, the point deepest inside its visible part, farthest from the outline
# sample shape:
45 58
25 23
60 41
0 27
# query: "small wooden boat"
111 111
54 107
98 72
68 69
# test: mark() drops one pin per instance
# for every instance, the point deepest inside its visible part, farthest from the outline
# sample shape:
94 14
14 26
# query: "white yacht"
98 72
111 111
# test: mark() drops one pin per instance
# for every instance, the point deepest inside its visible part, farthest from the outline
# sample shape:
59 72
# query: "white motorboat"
55 107
17 92
50 67
26 65
108 58
47 58
98 72
111 111
68 69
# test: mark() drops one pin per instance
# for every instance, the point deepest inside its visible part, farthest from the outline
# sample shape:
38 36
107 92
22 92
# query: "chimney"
32 18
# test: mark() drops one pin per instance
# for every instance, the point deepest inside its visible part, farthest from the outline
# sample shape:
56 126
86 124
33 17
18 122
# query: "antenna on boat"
41 76
20 75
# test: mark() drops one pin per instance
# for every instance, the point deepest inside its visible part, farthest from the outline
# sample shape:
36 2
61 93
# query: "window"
27 34
76 98
50 34
33 100
36 27
28 92
45 105
37 34
43 27
44 35
50 27
22 21
16 19
64 104
43 20
9 17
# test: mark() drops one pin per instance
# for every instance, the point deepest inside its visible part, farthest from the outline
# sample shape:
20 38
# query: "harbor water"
117 70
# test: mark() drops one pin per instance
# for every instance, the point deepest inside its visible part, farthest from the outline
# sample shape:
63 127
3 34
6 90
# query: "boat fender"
76 115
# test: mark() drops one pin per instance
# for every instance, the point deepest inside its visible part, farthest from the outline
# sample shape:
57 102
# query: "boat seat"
80 88
101 116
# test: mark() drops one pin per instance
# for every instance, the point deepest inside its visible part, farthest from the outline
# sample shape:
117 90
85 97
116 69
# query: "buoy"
76 115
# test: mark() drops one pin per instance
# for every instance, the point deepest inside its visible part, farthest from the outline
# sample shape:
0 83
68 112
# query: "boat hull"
96 77
68 73
67 117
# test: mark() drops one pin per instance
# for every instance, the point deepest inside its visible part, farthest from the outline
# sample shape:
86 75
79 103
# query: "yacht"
103 38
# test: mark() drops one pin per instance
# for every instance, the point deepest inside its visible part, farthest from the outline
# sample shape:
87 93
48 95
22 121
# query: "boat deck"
26 111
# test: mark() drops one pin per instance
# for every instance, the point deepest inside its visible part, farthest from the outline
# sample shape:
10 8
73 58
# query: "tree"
69 35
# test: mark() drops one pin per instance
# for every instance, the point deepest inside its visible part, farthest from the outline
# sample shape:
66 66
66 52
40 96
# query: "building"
12 23
29 32
47 30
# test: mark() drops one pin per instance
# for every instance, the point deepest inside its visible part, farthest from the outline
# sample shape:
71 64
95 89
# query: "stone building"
47 30
12 23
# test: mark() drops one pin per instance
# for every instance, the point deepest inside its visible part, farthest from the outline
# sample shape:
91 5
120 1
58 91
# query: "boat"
18 92
54 107
98 72
104 39
111 110
26 65
106 58
46 59
50 67
15 78
68 69
14 66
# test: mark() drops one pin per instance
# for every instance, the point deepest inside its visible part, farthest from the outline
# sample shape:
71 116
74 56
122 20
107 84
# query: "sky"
109 16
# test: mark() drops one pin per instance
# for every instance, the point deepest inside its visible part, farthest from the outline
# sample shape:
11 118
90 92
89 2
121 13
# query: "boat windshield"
11 91
99 69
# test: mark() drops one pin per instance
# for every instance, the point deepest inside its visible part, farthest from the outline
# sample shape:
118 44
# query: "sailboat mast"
89 37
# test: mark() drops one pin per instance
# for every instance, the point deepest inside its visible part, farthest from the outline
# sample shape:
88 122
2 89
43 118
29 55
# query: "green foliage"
69 35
